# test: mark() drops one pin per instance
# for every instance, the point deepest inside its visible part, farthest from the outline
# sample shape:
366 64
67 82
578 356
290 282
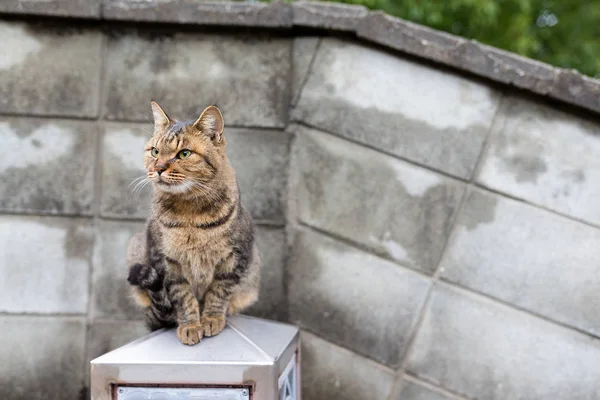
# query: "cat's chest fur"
197 251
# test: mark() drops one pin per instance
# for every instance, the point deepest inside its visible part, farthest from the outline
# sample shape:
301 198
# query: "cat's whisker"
136 181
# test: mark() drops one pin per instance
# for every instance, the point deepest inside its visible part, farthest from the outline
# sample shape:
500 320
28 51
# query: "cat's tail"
145 277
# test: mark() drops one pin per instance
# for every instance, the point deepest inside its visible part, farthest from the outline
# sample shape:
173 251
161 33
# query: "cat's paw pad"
213 324
190 334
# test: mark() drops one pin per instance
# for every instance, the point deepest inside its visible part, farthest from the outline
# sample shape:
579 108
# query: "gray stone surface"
332 373
123 192
271 303
302 56
528 257
412 391
42 358
398 210
277 14
105 336
489 62
483 350
44 264
547 157
246 76
342 17
110 289
49 167
260 158
431 117
49 69
331 292
575 88
63 8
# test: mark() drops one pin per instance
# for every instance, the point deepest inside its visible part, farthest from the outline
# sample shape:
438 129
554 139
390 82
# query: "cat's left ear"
211 123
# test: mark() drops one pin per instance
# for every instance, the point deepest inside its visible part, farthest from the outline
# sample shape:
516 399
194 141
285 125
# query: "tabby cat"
197 261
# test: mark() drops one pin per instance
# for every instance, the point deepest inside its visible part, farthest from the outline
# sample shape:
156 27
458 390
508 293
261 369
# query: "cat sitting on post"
197 260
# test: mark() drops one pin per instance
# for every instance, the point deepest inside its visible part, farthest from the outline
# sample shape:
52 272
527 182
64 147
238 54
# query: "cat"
197 261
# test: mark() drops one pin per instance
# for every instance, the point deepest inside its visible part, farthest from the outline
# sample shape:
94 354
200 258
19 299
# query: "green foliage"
565 33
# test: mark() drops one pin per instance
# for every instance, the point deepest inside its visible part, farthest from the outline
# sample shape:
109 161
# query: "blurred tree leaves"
565 33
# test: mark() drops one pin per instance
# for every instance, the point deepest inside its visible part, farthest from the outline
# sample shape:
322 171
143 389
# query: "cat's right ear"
161 119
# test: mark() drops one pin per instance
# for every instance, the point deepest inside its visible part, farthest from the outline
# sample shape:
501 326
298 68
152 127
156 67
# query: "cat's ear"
211 123
161 119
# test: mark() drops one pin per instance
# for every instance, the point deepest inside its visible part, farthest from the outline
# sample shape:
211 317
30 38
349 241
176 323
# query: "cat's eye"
154 152
184 154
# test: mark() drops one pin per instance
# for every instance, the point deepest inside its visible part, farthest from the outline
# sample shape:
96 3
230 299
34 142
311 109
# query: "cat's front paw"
190 334
212 324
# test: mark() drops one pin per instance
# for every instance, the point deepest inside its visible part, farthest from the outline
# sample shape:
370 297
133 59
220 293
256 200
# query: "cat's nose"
160 169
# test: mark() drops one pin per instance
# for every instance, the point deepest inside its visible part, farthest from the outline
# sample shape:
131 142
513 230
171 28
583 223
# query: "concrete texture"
484 350
49 69
330 372
203 12
398 210
375 27
163 66
260 158
105 336
272 301
110 294
413 391
42 358
50 166
335 16
61 8
546 156
419 113
533 259
44 264
302 56
374 323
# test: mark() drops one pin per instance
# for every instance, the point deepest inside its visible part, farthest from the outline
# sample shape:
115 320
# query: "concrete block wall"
74 118
434 235
445 244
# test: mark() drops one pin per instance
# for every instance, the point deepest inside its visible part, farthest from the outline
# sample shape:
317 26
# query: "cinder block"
332 373
42 357
407 109
413 391
271 303
353 298
529 257
49 69
124 193
302 56
105 336
44 264
110 292
546 156
398 210
260 159
484 350
49 168
246 76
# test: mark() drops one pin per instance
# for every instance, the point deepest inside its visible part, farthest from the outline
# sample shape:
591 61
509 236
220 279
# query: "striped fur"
197 261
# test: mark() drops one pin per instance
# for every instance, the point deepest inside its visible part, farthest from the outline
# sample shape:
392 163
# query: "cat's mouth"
171 187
